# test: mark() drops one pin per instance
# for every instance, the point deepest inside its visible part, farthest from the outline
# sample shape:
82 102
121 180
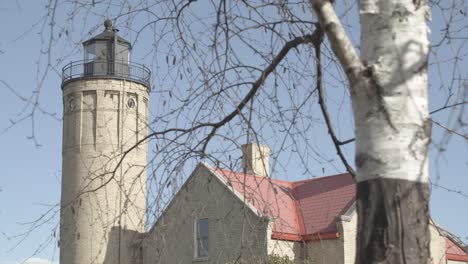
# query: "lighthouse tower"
105 105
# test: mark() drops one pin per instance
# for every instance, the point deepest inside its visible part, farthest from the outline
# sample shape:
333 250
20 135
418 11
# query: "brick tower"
105 105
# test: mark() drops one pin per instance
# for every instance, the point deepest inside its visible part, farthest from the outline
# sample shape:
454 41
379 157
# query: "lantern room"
107 53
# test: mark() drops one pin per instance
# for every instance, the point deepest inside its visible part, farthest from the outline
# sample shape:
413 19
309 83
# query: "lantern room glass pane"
122 54
89 53
97 51
101 51
96 57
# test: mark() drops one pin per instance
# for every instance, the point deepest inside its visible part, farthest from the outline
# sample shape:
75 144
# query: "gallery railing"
102 69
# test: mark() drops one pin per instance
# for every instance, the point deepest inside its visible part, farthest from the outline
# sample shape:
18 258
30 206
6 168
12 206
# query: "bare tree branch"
323 106
447 107
216 125
339 41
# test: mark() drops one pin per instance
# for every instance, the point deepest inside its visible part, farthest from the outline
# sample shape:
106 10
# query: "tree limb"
310 38
323 107
259 82
340 43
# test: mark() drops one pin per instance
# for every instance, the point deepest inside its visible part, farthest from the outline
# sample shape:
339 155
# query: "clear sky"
30 174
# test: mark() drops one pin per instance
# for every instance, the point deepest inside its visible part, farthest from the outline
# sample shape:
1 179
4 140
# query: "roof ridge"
291 183
259 176
320 178
299 215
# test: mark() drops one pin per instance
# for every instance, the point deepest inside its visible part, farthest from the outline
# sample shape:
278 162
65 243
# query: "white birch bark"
391 112
389 92
388 85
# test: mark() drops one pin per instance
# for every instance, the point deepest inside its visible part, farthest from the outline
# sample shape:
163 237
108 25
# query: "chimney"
256 159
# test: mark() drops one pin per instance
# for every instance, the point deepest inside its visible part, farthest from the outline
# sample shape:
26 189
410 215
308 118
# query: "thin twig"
451 131
310 38
323 107
448 106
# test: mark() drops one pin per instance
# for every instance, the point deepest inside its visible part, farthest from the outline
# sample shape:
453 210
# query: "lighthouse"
105 117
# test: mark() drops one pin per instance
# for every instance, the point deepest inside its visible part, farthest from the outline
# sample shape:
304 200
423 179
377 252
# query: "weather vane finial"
108 25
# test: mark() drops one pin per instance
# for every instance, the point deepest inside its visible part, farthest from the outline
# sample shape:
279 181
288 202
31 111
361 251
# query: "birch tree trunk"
389 91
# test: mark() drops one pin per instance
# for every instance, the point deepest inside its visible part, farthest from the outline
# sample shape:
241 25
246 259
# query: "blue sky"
30 178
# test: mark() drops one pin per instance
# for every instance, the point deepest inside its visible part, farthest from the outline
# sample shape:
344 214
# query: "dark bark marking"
423 133
427 126
379 92
362 158
393 222
417 4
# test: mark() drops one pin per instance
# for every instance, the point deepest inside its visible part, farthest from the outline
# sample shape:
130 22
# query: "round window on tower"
131 103
71 103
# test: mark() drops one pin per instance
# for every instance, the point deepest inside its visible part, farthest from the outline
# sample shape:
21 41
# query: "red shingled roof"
307 210
454 251
303 210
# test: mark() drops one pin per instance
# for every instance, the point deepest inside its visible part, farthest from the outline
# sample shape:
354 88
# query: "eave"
308 237
456 257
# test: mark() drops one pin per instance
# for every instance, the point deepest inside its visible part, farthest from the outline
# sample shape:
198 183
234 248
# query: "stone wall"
282 248
234 229
103 205
347 226
437 246
456 262
343 250
325 251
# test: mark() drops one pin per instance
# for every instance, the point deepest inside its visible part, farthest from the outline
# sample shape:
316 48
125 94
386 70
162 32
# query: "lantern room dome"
108 35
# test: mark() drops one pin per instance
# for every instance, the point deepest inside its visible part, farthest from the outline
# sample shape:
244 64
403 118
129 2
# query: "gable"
235 192
205 169
271 198
231 224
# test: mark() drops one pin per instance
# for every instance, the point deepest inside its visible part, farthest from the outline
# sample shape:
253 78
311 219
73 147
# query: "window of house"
201 238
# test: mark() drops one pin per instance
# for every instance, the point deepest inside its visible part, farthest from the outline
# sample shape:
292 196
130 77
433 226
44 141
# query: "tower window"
131 103
201 238
71 103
